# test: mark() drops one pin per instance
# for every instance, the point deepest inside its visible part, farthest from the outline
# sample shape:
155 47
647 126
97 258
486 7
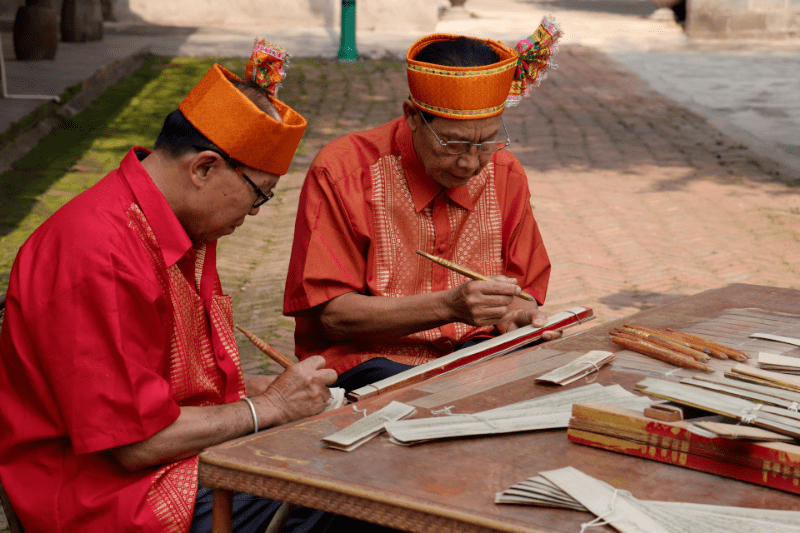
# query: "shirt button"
221 356
442 248
443 344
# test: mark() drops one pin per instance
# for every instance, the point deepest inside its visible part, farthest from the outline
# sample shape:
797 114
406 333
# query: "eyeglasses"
262 197
460 147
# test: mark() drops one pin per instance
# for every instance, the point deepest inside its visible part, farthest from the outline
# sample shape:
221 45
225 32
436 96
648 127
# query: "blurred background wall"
743 18
371 15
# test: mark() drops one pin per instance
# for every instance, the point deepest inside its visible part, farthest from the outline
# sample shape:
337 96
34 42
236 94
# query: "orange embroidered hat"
479 92
221 112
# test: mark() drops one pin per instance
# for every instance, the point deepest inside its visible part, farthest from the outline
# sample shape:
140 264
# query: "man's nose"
471 159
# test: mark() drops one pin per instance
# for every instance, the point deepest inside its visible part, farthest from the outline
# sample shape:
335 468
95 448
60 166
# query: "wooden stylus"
266 349
467 272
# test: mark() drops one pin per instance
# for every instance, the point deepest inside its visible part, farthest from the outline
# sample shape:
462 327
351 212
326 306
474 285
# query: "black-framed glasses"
460 147
262 197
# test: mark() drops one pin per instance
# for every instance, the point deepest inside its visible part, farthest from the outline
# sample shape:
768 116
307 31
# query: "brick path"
640 202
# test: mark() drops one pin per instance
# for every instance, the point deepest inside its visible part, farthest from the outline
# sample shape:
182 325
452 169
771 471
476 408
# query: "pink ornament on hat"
267 66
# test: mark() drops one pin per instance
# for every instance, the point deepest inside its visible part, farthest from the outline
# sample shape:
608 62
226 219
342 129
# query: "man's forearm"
195 429
298 392
355 315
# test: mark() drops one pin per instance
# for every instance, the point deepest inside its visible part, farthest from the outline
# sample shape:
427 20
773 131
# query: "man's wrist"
252 412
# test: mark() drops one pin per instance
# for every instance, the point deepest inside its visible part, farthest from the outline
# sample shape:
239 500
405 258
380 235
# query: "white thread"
253 412
793 407
747 413
362 411
601 519
596 369
443 411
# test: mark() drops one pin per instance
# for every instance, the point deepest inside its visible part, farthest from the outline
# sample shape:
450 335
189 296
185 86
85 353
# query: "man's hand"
256 384
483 303
300 391
527 313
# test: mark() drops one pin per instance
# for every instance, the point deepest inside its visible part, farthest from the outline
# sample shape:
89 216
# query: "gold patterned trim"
477 113
460 73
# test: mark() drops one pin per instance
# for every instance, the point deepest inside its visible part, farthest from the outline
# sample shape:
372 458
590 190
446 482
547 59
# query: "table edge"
330 496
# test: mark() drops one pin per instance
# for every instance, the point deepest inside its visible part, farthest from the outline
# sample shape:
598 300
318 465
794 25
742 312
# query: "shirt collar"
168 231
423 188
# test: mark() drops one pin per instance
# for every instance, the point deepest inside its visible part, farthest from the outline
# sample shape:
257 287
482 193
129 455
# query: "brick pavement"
640 201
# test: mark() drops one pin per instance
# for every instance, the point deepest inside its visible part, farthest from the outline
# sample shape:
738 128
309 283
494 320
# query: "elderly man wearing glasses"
118 362
439 179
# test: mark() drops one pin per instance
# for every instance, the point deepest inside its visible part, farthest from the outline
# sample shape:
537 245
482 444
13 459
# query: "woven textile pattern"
194 377
535 59
475 238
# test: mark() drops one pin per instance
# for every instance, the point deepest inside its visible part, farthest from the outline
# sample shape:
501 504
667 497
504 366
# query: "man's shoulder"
357 150
507 161
87 240
94 220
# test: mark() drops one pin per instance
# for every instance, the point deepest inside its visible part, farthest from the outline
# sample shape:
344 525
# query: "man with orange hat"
118 363
438 179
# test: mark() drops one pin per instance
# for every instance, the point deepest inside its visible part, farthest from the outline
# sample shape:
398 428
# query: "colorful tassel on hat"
535 59
267 66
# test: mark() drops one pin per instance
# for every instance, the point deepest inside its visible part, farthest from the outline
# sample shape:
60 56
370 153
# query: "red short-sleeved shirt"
367 205
104 338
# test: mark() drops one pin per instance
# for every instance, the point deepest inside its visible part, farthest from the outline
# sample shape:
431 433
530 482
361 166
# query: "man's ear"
411 114
200 166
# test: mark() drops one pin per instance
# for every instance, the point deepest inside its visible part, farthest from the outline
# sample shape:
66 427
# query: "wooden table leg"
222 512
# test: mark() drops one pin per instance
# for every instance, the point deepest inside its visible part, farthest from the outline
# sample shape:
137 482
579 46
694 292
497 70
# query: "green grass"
81 151
47 110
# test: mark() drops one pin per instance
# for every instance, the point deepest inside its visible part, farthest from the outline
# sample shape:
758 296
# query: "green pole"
347 42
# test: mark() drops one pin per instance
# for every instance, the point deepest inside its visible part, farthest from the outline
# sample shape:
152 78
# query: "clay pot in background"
35 33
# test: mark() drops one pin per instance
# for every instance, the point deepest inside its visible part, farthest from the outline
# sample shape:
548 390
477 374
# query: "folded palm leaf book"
500 345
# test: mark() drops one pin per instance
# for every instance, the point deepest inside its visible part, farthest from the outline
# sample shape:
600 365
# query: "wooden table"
451 485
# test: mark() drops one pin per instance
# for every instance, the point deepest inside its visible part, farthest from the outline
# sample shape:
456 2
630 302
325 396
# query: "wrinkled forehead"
478 128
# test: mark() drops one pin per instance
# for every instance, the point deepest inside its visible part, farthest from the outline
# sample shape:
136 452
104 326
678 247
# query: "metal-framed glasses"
261 196
460 147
